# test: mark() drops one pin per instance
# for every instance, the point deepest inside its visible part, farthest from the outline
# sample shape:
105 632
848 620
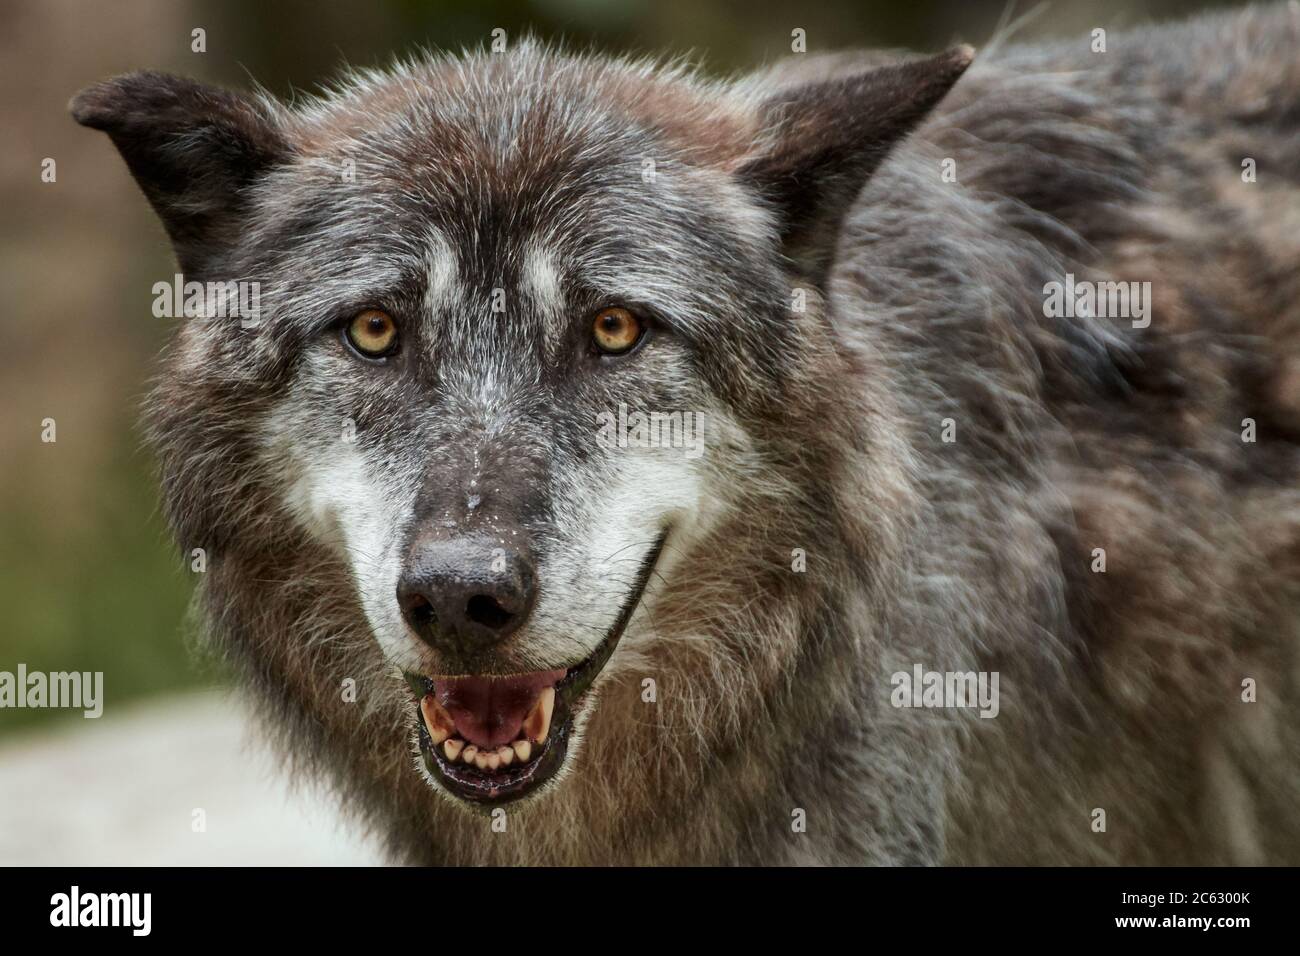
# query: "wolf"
503 638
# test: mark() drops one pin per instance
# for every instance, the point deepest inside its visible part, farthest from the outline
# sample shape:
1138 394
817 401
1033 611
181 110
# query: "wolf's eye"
615 330
372 333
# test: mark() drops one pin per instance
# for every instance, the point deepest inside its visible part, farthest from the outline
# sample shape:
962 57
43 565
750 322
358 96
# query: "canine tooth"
523 750
469 753
452 748
493 760
436 719
538 722
481 761
505 755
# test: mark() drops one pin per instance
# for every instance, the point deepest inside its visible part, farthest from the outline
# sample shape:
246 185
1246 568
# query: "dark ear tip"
105 105
93 106
956 60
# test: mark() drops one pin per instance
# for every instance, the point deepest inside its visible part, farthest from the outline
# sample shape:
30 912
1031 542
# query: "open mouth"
490 739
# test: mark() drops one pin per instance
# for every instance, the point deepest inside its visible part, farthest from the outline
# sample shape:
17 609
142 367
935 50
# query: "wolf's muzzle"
463 593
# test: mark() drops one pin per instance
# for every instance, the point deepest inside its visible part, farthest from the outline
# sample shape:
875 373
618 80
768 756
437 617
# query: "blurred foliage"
108 594
295 43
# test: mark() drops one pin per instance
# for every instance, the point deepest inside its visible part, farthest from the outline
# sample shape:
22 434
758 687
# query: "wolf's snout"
464 593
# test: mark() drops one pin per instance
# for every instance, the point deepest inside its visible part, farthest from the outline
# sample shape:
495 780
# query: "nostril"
486 610
453 596
418 610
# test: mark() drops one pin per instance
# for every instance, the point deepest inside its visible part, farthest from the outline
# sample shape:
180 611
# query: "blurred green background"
88 577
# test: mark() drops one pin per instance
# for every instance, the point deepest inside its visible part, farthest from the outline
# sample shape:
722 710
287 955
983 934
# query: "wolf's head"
532 333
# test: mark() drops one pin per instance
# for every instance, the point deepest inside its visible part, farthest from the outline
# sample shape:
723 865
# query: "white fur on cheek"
588 578
334 495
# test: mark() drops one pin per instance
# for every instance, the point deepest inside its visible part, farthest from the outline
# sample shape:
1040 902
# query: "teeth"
436 719
503 756
442 727
538 722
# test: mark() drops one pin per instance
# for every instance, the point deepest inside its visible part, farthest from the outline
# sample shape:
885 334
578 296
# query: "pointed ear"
194 150
825 139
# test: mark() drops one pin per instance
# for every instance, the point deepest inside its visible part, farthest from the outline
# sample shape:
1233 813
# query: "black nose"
464 593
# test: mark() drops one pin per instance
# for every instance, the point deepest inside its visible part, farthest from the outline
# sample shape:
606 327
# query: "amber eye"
372 333
615 330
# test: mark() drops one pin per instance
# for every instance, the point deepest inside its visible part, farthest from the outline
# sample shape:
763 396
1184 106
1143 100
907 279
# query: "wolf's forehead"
455 273
486 188
534 198
495 225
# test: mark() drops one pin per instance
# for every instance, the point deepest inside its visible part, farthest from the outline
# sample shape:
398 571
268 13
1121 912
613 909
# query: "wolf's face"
525 322
484 313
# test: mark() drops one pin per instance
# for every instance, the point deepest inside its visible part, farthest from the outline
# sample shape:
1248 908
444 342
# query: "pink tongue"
489 711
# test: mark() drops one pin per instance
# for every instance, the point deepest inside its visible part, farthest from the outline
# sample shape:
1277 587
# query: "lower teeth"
455 751
440 727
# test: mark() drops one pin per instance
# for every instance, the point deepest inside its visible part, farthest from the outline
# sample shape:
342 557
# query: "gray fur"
1120 691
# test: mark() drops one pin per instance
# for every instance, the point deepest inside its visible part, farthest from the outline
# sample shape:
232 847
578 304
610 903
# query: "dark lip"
491 789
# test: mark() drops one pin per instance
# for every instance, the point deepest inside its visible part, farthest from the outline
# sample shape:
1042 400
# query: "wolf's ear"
194 149
824 140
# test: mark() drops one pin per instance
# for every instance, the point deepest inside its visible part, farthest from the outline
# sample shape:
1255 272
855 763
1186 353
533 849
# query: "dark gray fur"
1120 691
